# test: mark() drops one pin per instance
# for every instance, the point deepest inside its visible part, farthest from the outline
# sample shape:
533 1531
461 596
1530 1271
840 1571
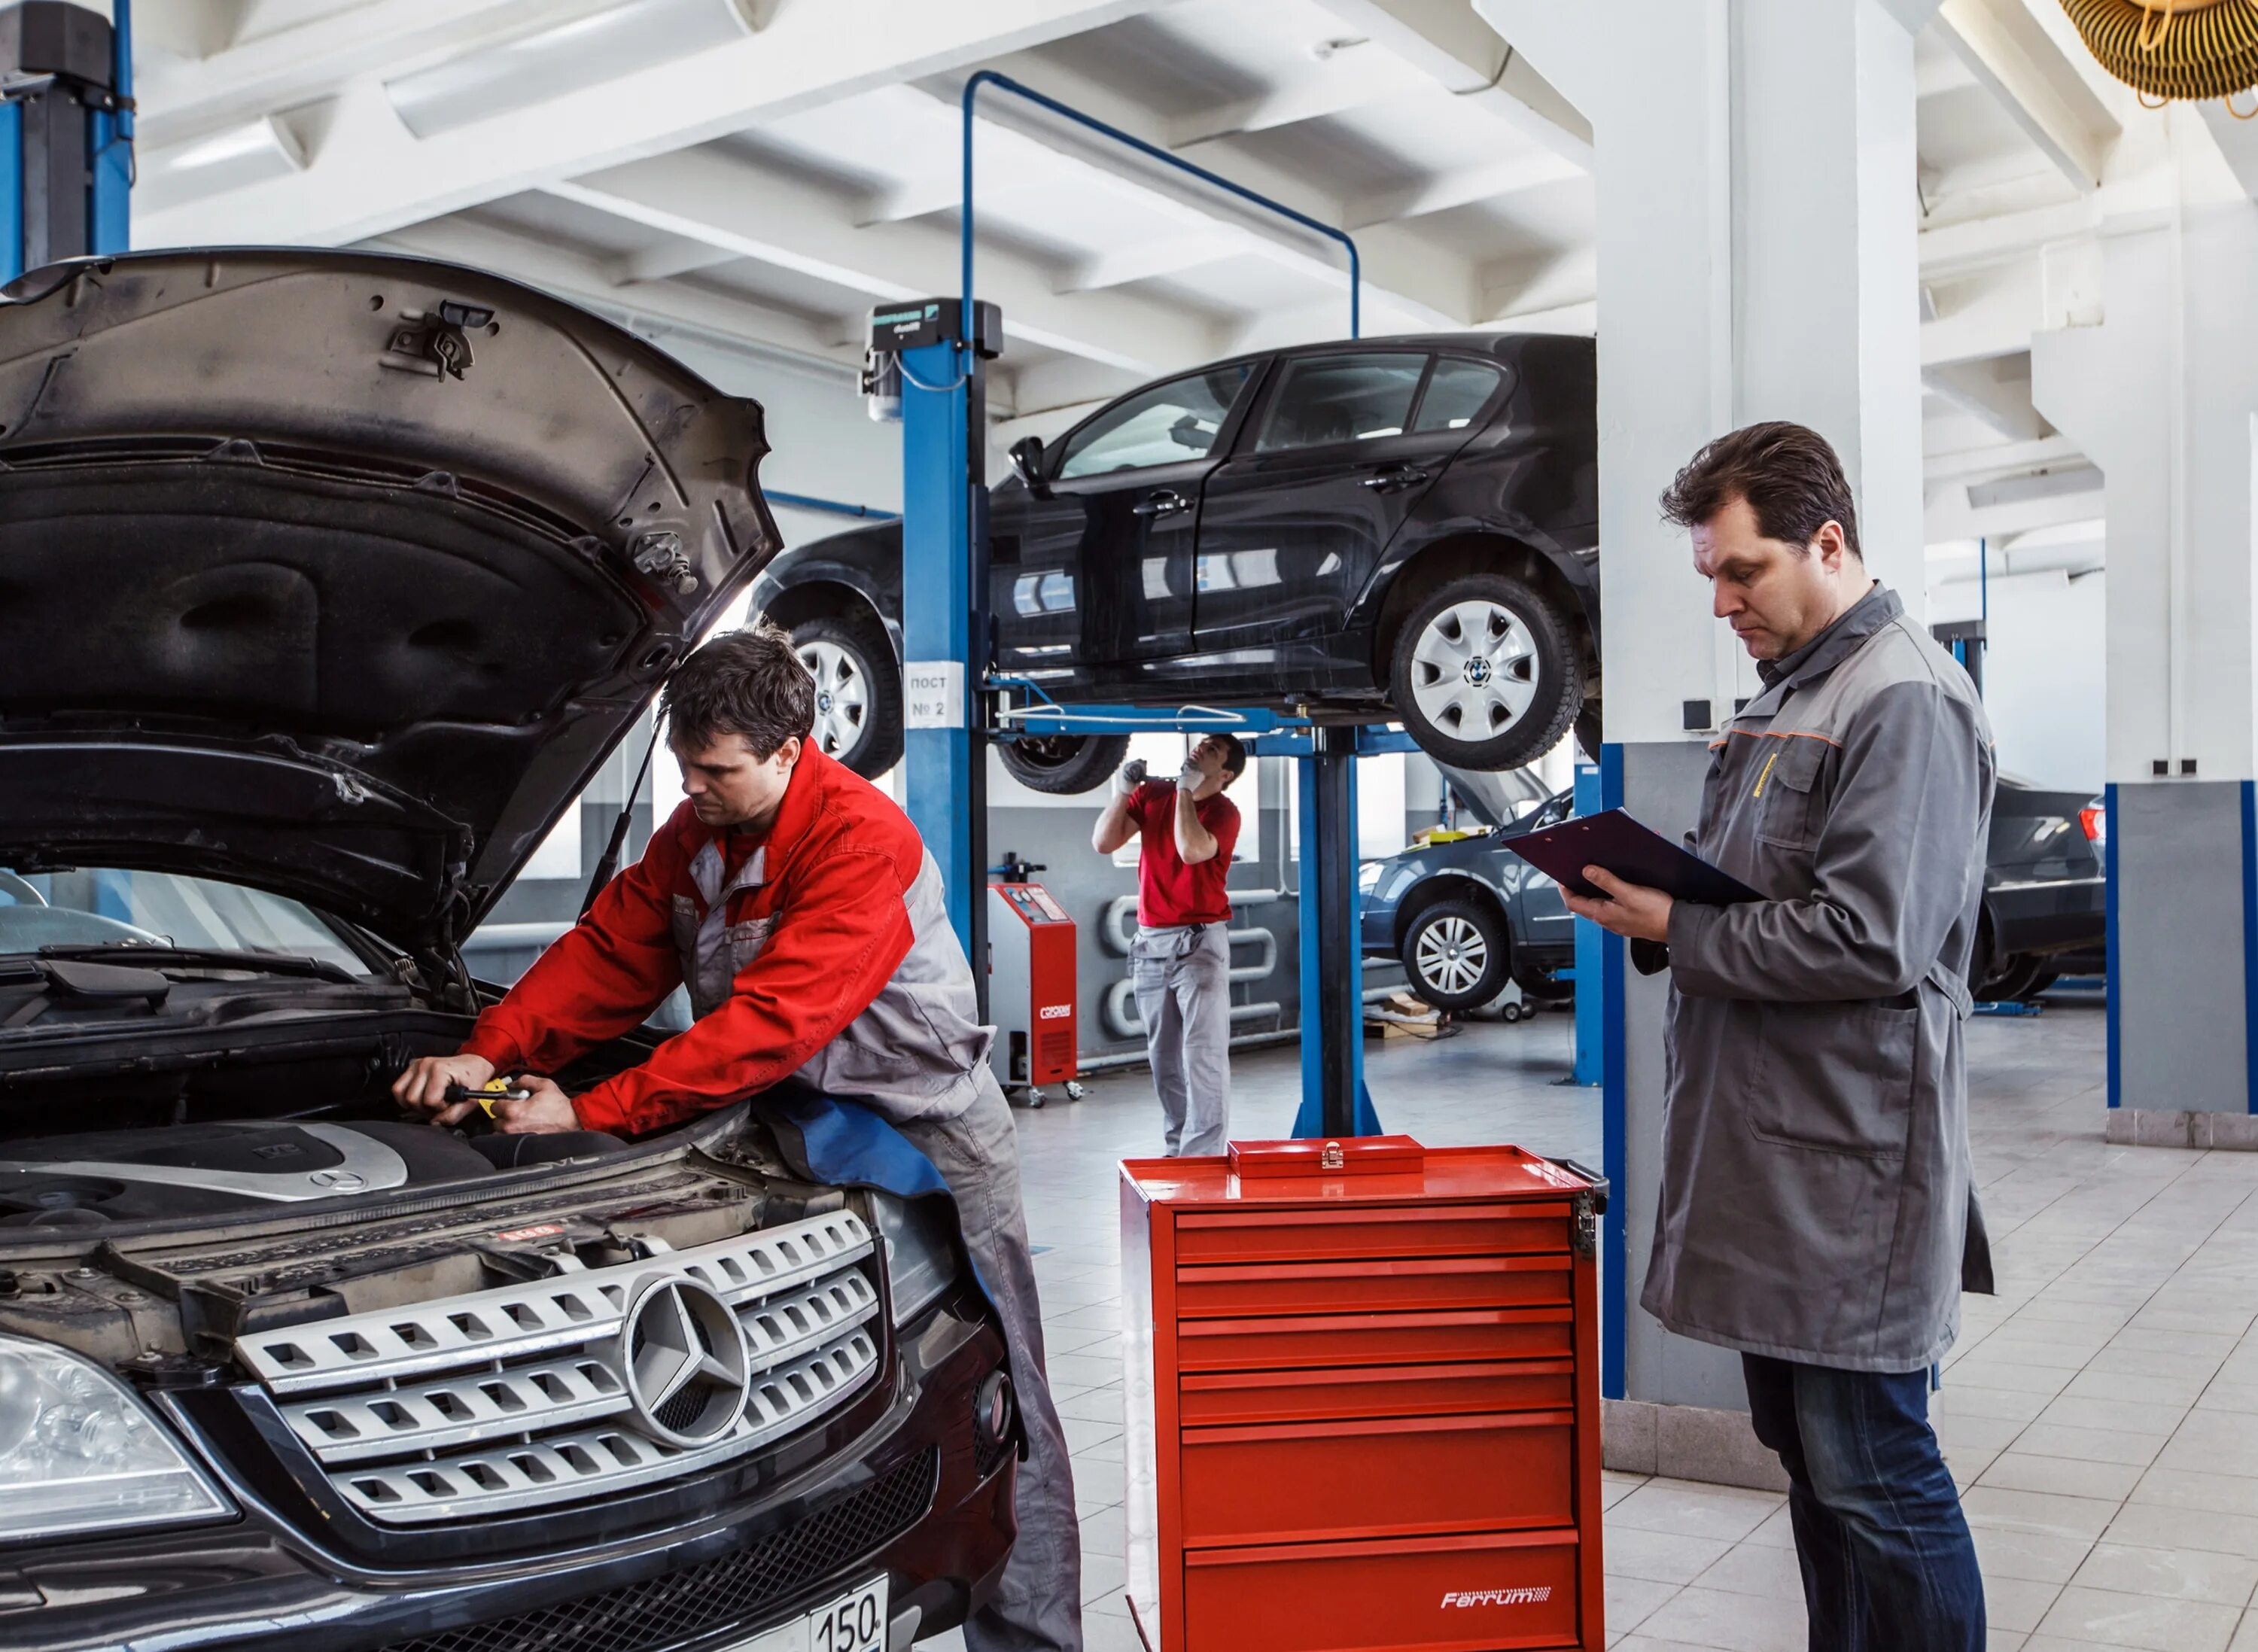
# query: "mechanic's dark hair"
1235 756
1788 474
748 683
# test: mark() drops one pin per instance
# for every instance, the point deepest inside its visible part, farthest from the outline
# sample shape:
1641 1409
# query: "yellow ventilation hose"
2168 49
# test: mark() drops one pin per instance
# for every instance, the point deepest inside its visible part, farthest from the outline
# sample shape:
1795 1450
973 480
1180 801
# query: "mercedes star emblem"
682 1356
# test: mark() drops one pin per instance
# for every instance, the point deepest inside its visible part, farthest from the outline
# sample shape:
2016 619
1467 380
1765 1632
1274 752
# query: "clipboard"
1633 852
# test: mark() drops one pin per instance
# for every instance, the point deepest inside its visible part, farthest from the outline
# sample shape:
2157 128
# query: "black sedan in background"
1464 914
1391 529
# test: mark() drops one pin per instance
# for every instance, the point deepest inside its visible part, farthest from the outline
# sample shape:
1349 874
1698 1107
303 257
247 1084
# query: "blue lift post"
1591 1013
1333 1098
65 132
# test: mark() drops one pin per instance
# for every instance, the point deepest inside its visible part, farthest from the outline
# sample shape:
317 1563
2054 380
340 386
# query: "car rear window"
1165 425
1456 394
1325 400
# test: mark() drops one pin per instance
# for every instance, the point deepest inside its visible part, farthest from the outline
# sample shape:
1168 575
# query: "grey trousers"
1037 1607
1182 979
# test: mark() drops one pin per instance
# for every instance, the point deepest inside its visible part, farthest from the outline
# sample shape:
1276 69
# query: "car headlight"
79 1452
921 1262
1367 875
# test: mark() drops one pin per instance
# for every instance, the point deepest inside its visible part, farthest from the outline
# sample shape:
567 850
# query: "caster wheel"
1035 1098
1512 1013
1074 1091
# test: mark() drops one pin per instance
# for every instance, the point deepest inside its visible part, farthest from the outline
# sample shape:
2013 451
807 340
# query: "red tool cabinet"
1362 1395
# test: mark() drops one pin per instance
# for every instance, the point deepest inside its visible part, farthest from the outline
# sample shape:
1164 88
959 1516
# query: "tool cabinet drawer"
1375 1391
1319 1340
1402 1284
1393 1477
1494 1589
1288 1236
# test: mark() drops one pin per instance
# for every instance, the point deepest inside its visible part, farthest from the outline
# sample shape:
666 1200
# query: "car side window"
1325 400
1456 394
1165 425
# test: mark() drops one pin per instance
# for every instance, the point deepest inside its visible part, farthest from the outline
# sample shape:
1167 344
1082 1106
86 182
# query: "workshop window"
1165 425
1326 399
1456 394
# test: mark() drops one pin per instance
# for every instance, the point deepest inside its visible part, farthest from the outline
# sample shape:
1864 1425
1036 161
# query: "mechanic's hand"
1128 777
1630 910
544 1111
423 1087
1192 776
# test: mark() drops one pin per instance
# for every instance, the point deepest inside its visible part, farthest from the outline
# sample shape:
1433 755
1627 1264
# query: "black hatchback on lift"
1402 529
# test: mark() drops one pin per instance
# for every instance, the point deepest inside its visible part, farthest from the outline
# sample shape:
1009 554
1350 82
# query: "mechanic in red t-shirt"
1181 962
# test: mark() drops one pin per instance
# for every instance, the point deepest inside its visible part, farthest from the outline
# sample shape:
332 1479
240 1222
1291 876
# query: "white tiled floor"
2101 1412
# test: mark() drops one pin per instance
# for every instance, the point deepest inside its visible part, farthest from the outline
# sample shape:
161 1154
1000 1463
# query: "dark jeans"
1888 1566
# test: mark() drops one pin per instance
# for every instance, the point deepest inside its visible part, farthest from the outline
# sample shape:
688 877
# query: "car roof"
1504 347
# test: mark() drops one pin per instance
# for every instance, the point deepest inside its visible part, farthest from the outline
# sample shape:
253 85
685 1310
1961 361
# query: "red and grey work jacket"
824 949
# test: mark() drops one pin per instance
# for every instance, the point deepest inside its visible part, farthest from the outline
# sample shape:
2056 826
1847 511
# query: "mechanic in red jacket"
799 906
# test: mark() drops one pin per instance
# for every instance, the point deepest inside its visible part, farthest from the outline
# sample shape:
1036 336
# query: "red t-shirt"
1168 892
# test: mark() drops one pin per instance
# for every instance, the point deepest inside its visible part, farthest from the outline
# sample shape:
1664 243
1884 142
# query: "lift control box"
1031 985
1362 1398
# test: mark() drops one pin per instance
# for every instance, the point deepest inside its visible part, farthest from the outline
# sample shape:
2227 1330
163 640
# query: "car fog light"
993 1407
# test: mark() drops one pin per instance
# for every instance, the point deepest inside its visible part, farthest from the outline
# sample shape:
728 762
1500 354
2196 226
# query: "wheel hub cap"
1474 670
842 689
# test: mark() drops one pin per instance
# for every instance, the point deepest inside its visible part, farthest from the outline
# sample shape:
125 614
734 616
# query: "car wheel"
858 693
1486 673
1063 764
1588 731
1455 954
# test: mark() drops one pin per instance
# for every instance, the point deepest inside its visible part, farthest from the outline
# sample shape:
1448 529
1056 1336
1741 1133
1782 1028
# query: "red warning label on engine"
538 1231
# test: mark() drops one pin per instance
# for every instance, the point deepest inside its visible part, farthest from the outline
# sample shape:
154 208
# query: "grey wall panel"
2181 1019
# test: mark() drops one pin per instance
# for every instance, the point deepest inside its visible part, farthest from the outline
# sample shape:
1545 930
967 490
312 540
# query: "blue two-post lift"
953 706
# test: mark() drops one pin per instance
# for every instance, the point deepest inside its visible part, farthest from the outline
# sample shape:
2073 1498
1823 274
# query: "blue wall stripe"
2110 993
2249 945
1614 1286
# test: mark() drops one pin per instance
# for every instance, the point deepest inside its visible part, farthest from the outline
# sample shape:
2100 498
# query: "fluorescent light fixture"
218 161
568 58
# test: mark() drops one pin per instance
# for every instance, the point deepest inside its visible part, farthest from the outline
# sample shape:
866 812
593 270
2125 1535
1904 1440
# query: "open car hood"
339 574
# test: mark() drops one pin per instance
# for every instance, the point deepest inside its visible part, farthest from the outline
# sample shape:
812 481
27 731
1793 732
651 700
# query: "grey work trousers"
1183 980
1037 1606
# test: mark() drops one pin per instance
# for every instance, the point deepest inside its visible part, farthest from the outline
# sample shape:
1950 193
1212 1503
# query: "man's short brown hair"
1787 472
1234 756
748 683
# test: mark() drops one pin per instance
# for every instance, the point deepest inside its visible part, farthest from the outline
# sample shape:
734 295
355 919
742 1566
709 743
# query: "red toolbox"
1362 1394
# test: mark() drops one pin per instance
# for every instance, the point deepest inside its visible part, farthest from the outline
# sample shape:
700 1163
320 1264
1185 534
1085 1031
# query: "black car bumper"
916 1494
2049 916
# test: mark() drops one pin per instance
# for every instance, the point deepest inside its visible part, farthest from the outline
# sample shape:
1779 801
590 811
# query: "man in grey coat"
1816 1211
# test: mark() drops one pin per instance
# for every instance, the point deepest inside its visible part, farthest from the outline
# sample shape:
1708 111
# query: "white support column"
2164 397
1758 215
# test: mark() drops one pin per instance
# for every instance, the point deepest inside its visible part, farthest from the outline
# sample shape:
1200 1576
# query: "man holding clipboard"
1816 1209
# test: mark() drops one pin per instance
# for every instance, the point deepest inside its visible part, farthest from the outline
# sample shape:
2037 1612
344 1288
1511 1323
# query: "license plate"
855 1622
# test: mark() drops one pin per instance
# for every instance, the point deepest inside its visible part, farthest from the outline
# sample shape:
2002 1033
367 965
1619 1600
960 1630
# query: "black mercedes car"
1396 529
327 580
1464 914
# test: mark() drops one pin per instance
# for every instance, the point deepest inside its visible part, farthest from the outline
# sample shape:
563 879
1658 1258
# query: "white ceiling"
763 171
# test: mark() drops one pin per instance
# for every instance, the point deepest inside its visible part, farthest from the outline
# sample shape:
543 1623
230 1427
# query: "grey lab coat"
1816 1202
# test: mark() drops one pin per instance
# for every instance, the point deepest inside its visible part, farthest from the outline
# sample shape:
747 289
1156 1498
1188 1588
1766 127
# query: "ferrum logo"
1529 1596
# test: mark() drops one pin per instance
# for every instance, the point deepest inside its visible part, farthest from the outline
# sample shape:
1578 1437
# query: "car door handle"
1167 502
1389 477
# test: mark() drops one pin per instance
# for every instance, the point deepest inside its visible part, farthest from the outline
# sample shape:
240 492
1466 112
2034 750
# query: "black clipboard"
1635 852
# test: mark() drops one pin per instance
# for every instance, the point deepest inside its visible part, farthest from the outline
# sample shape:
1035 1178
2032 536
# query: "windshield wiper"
217 957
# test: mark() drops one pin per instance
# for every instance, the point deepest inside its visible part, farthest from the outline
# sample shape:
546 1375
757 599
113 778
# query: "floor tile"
1631 1601
1756 1569
1671 1558
2023 1472
2137 1620
2181 1574
1736 1622
1694 1511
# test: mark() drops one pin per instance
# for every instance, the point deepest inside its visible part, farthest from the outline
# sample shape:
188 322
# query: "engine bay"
216 1186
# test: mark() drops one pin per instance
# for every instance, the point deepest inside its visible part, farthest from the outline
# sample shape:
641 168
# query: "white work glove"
1192 777
1128 777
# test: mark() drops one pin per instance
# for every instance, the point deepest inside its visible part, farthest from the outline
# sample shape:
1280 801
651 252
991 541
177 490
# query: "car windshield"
109 906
